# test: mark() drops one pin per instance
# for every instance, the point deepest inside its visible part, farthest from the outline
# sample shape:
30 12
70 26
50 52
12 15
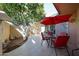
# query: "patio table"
49 37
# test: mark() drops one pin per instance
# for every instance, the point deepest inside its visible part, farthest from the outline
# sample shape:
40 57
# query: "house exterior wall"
74 32
73 35
77 24
62 27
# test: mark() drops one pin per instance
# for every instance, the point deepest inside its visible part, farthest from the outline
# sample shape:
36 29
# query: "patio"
33 47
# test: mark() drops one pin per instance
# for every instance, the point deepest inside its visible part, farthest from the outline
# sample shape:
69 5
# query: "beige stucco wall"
4 31
8 31
14 33
77 24
74 32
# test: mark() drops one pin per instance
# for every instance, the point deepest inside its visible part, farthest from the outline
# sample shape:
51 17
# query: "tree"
23 13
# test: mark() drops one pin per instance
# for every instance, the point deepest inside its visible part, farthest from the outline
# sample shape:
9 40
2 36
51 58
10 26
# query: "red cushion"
61 41
49 32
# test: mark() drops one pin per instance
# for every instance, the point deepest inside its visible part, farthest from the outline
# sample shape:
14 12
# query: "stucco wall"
14 33
77 24
74 32
4 31
62 27
73 35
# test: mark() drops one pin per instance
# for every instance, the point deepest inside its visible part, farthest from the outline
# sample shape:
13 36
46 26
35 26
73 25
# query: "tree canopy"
23 13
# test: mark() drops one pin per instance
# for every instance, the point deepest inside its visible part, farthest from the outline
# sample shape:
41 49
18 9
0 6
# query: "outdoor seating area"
48 30
56 42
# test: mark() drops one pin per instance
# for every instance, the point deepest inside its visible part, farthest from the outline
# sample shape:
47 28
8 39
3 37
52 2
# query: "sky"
50 10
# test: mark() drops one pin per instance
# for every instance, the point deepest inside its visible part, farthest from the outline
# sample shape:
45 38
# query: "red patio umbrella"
47 21
55 20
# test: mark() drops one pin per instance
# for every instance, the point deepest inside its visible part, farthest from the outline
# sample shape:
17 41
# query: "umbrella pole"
68 30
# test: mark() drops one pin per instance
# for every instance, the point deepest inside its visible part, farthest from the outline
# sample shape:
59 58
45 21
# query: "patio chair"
44 38
60 42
